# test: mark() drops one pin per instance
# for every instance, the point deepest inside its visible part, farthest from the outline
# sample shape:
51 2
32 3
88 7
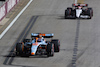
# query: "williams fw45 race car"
79 11
38 45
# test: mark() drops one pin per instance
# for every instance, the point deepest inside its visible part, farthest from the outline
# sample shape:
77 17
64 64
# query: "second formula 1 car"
38 45
79 11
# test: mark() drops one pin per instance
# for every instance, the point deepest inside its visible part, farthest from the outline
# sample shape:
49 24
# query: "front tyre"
19 49
50 50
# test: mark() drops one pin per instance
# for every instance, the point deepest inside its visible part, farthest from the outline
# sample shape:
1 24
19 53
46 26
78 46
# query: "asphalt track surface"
79 37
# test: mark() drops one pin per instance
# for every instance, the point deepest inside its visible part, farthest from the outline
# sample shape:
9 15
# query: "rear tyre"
90 12
68 12
56 43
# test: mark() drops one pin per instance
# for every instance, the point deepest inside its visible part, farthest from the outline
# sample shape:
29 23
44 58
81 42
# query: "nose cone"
78 12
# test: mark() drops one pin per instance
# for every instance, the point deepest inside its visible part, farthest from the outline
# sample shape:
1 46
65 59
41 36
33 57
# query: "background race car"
79 11
38 45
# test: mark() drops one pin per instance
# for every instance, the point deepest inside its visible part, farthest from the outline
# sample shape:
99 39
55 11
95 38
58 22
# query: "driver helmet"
40 36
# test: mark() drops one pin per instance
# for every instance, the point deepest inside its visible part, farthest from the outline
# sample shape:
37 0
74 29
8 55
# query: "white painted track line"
3 33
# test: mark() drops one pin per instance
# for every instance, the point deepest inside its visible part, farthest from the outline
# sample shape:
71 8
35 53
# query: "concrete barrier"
2 11
8 27
6 7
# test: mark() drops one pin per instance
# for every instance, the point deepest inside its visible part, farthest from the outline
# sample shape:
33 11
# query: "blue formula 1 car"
38 45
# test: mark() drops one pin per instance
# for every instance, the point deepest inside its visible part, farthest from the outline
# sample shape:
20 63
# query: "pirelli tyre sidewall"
56 43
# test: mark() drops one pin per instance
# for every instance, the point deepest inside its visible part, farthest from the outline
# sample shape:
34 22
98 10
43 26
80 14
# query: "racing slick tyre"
19 49
27 40
56 43
50 50
90 12
68 12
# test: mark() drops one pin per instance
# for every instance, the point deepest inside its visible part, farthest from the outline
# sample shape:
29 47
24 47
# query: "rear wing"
43 35
82 5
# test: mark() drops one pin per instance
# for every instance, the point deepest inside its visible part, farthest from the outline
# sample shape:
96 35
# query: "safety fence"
6 7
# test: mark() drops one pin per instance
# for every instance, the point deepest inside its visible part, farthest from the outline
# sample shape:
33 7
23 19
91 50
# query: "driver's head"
40 36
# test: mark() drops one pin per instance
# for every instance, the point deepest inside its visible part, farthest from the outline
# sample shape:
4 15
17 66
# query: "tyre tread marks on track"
9 59
75 49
